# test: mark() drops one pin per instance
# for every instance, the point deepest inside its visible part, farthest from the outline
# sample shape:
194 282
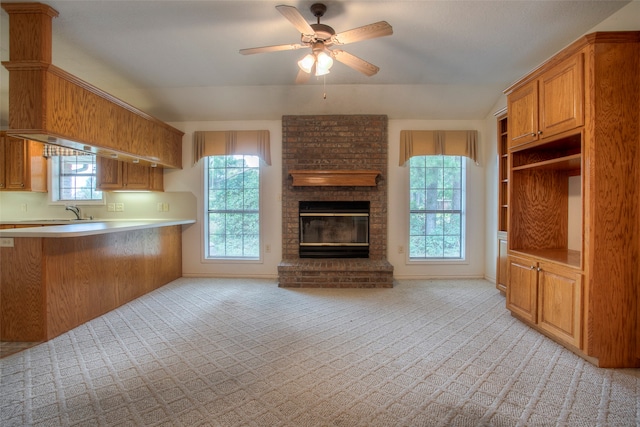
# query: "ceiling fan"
319 37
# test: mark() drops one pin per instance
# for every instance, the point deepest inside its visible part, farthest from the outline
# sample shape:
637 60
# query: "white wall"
191 177
184 193
473 266
22 205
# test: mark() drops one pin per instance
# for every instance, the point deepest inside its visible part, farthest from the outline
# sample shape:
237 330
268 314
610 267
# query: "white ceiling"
179 60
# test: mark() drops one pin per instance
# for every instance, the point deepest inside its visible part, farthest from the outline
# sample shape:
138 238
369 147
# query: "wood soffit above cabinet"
576 46
70 112
337 178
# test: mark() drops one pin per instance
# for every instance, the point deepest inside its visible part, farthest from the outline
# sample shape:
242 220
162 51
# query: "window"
232 197
73 178
436 208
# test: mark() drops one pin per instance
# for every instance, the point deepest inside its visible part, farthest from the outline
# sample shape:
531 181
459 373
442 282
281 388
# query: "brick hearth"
341 142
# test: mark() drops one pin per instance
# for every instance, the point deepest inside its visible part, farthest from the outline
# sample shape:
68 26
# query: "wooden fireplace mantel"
341 177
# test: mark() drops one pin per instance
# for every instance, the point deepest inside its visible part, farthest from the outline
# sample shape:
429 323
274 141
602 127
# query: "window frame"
53 188
205 213
463 221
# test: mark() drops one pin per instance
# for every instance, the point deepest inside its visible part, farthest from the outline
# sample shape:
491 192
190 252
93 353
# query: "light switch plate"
6 242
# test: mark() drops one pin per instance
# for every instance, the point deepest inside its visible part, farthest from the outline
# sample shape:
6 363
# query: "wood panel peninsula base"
335 273
50 285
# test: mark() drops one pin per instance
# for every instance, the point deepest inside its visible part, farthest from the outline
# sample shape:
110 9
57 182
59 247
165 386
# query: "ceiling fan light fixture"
306 63
324 60
322 71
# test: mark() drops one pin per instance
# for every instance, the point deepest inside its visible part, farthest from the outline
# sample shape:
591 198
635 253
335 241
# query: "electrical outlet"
160 207
23 207
165 207
267 248
111 207
400 249
6 242
119 207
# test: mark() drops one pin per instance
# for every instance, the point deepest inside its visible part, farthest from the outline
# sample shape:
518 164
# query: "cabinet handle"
539 132
533 134
539 269
533 267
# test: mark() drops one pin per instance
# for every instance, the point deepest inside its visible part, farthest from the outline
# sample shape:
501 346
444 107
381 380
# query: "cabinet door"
156 177
136 176
523 115
2 161
521 288
560 302
502 270
562 97
15 164
108 174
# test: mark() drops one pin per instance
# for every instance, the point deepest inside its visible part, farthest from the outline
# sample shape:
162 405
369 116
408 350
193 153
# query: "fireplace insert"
334 229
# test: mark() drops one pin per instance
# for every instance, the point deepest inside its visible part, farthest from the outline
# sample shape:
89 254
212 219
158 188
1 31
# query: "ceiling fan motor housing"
318 10
323 32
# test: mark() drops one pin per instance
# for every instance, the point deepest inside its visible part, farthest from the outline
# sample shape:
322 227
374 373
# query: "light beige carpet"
219 352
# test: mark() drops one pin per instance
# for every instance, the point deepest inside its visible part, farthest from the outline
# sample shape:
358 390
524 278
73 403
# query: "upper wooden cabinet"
549 104
22 167
574 198
117 175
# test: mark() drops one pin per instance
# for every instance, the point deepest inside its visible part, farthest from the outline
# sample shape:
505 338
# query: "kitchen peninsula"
54 278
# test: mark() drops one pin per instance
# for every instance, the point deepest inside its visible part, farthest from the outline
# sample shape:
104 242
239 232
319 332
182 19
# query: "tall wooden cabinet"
22 167
503 200
574 198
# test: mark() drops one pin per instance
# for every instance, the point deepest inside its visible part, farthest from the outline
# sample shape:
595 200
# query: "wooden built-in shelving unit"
503 199
574 186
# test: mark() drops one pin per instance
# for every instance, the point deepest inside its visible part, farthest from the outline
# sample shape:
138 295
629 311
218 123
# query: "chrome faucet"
74 209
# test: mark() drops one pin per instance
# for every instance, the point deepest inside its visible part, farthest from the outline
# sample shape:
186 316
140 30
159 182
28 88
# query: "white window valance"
438 142
223 143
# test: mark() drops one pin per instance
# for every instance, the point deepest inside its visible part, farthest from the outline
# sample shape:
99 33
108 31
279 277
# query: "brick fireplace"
346 148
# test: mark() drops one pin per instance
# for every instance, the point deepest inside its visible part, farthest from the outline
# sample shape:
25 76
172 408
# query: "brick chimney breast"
335 142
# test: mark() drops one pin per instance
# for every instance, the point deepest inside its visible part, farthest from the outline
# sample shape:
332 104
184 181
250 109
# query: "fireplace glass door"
338 234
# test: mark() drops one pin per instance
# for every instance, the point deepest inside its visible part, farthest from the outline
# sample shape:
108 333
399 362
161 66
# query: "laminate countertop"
85 228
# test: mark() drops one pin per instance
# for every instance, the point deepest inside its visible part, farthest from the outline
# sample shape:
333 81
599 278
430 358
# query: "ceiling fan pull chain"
324 87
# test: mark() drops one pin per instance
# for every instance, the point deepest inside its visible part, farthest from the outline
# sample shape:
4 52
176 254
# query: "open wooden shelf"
568 163
566 257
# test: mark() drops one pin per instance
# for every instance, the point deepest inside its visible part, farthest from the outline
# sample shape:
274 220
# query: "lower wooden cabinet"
560 302
522 288
548 296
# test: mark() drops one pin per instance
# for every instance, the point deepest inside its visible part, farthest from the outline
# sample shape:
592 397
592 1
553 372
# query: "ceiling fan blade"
275 48
377 29
295 17
355 62
303 77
